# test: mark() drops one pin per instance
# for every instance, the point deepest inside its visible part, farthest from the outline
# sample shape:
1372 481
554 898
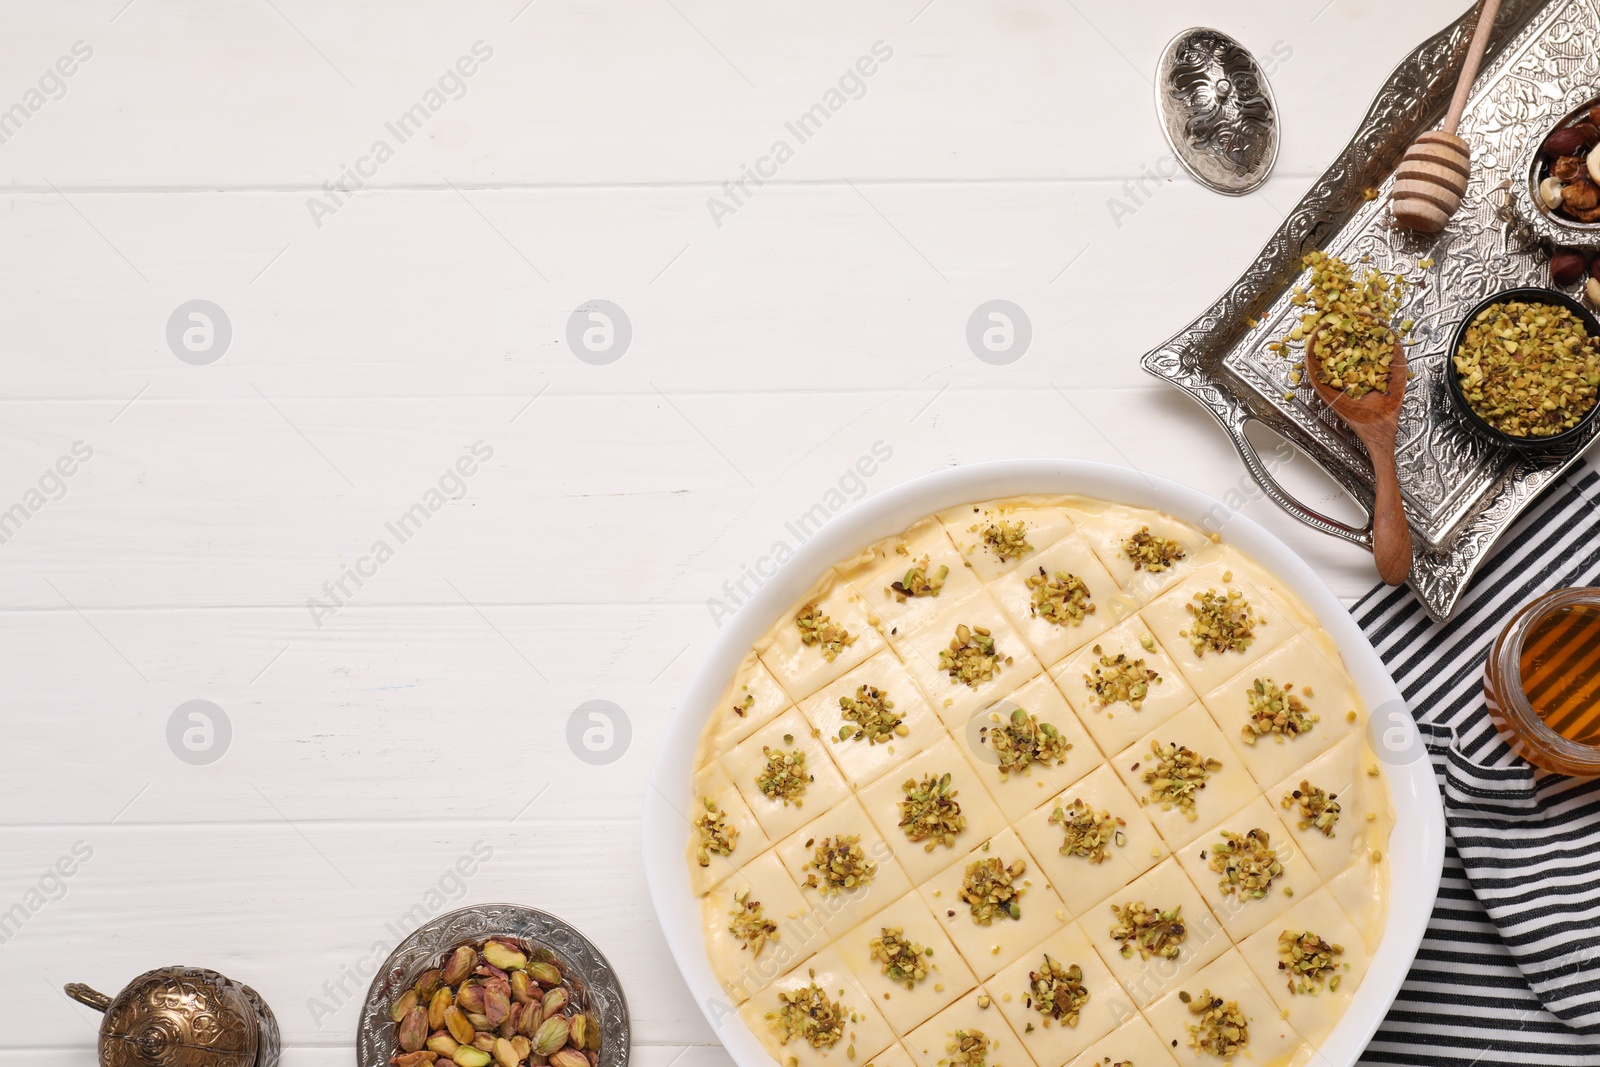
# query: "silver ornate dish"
1461 493
1523 199
1217 111
598 990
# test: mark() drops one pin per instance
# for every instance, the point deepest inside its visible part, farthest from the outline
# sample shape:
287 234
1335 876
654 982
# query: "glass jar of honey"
1542 682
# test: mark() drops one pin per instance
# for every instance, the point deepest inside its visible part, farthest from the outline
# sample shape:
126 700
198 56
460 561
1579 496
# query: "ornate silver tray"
594 980
1460 492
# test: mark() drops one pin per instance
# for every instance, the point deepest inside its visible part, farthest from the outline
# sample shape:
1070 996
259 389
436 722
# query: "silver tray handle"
1282 497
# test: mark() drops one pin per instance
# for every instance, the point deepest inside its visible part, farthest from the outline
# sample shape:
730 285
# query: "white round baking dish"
1416 849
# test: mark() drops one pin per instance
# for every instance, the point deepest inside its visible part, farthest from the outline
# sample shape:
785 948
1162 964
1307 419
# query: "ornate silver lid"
1217 111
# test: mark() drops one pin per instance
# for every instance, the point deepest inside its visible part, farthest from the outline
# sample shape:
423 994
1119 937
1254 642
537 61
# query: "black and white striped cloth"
1509 972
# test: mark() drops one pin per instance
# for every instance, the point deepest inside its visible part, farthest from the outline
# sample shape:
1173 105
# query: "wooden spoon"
1432 176
1375 418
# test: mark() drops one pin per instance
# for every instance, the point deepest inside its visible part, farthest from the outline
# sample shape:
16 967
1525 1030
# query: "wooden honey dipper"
1432 176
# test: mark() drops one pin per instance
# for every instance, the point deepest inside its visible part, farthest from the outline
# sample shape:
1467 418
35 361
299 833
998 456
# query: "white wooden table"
386 711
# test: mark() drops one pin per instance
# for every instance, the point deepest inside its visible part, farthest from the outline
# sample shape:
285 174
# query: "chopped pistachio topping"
1528 370
1222 622
993 889
1246 862
919 581
717 834
1349 317
742 708
1220 1027
1312 964
1275 709
818 629
1005 539
1151 552
972 657
1148 931
967 1048
900 958
870 715
839 865
930 813
785 776
1119 679
1057 992
1176 774
1089 833
1060 597
1022 740
1319 808
807 1013
749 924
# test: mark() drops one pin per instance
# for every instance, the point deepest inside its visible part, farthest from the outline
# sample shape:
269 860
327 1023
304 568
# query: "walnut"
1568 168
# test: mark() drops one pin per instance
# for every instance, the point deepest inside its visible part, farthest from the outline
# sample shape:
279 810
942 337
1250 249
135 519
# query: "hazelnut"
1566 267
1594 268
1569 141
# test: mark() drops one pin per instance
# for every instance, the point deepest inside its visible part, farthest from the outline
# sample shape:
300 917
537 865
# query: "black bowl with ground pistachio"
1524 369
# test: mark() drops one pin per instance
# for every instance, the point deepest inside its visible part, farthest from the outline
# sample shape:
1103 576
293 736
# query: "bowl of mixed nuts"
1524 370
1565 174
495 985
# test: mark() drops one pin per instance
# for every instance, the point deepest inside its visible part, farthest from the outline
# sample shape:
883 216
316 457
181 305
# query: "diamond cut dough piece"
928 1042
1271 1039
1042 527
1225 791
1170 620
952 700
1310 663
746 761
1080 882
1117 725
1315 1014
1107 532
712 782
1052 641
802 669
742 973
1163 888
729 726
1053 1041
863 1038
1132 1042
862 760
1242 913
989 948
1018 792
948 977
1340 772
884 797
839 910
873 572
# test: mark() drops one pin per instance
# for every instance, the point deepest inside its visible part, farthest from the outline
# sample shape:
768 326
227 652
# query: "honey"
1542 682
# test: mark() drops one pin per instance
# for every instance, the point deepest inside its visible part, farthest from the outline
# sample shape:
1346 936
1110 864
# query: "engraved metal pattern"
1461 493
184 1017
1217 111
593 979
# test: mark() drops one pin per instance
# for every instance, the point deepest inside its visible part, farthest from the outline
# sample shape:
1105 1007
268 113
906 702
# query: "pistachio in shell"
552 1035
521 987
443 1044
578 1030
505 1054
470 998
546 974
496 1003
462 961
496 954
429 983
554 1001
455 1020
442 999
532 1015
414 1029
470 1056
568 1057
403 1006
